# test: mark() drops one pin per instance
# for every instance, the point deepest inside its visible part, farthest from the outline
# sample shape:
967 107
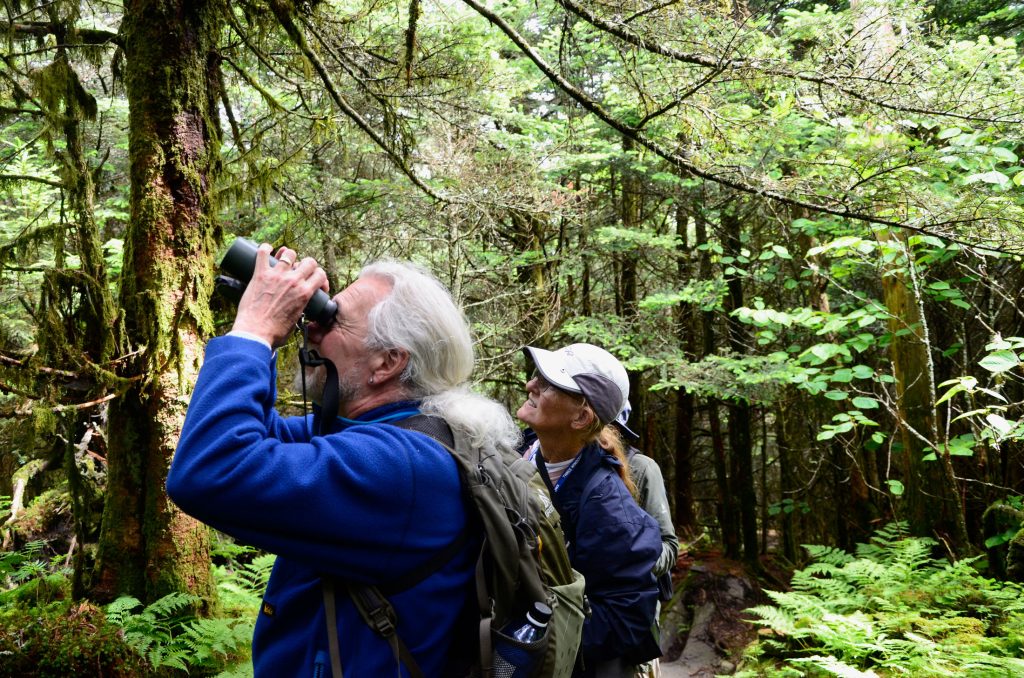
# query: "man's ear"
391 364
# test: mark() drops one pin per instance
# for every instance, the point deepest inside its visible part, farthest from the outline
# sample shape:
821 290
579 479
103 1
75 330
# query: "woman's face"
548 408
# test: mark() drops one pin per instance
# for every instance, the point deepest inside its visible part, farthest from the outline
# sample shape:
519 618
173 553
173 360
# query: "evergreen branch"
39 180
677 160
89 36
283 10
271 100
9 110
7 388
628 36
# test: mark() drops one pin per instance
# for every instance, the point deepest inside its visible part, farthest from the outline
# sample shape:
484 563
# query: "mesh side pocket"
515 659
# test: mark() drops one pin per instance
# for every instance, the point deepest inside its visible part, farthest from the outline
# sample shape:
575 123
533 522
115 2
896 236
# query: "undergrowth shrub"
168 637
43 633
61 639
890 609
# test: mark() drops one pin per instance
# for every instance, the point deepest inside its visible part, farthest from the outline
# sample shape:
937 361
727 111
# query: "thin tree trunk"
631 216
686 321
740 443
727 509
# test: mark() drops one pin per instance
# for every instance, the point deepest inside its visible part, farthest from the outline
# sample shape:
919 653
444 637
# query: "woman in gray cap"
574 393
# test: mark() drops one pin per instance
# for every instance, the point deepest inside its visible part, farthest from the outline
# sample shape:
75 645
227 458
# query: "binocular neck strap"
329 403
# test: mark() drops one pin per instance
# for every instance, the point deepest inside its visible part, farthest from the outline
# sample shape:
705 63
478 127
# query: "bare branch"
282 10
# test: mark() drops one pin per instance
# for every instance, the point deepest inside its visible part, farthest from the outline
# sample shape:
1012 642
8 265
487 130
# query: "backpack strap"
371 601
331 616
378 614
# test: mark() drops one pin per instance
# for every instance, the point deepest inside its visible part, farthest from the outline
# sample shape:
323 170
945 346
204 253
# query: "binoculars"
240 262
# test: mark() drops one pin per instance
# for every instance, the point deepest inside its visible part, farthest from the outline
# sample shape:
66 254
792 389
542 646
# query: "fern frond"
835 667
774 618
118 610
829 555
171 604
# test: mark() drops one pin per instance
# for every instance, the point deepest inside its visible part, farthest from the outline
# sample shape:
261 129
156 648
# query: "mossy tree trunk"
147 547
932 496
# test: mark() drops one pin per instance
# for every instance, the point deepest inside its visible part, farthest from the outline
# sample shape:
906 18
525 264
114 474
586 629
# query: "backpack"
523 560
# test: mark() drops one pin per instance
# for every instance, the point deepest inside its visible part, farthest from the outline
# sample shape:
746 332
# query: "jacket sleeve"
654 500
617 544
367 503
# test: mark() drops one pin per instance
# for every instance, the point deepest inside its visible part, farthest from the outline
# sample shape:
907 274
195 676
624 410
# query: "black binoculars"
240 262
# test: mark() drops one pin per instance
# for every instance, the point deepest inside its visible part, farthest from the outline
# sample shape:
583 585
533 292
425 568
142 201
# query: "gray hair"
420 317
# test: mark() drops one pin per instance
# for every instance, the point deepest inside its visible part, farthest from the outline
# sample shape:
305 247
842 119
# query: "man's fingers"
286 256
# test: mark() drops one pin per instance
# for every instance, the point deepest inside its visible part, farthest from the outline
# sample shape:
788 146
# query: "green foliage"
166 636
890 608
28 577
63 639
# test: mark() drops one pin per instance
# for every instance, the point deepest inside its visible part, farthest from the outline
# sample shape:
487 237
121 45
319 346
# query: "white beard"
316 382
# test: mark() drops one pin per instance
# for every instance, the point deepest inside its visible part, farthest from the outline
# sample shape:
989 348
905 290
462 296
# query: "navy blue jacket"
369 502
614 544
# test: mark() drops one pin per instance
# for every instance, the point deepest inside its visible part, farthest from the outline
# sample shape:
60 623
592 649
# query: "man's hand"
276 296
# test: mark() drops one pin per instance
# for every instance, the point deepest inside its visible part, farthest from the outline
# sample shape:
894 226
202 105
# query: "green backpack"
523 560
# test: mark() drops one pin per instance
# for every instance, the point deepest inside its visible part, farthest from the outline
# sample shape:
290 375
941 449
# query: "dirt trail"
703 627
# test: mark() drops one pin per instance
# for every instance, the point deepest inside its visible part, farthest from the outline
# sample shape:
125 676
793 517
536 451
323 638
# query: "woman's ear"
583 419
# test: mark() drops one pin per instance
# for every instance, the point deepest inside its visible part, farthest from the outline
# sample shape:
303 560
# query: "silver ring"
291 264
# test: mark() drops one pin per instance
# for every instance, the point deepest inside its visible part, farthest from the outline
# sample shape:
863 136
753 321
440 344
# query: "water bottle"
517 647
535 626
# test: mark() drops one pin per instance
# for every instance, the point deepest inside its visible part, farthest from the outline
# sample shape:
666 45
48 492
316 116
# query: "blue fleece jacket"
614 544
368 503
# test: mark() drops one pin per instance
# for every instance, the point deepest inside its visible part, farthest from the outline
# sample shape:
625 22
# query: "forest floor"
704 626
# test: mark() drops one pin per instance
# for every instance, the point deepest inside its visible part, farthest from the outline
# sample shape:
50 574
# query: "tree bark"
147 547
631 216
932 500
686 324
740 444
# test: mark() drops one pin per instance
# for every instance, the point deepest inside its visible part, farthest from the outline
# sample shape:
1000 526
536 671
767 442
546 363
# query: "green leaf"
864 403
1004 154
948 133
1018 178
992 177
862 372
962 446
895 487
1001 425
999 361
836 395
843 376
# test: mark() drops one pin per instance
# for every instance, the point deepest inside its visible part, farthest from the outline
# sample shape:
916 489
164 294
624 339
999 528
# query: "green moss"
64 639
44 421
43 514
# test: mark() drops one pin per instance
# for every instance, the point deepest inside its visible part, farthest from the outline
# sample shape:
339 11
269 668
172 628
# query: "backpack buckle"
382 621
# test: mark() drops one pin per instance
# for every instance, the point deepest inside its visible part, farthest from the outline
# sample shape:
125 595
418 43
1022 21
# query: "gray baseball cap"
589 370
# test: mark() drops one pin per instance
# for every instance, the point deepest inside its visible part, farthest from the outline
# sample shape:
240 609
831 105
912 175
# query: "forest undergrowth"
889 608
45 632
